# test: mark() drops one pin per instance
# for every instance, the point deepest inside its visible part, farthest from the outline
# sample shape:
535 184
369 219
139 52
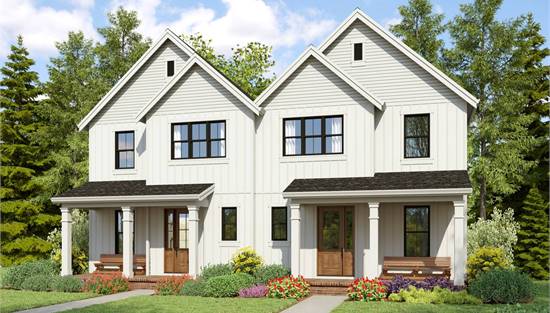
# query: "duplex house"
355 153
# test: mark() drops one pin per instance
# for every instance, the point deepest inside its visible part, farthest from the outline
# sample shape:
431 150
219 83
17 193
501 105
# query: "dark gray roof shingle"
385 181
132 188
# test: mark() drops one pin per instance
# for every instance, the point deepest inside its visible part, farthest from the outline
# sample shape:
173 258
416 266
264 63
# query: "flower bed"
170 286
399 283
106 283
256 291
364 289
288 287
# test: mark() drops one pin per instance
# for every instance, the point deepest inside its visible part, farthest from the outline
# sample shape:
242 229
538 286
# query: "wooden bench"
113 262
416 267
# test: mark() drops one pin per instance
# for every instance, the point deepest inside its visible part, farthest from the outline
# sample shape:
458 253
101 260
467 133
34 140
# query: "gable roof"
224 81
168 35
313 52
358 14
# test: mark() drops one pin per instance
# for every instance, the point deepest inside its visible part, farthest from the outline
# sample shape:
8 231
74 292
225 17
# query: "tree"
489 61
123 45
25 220
420 28
247 67
532 247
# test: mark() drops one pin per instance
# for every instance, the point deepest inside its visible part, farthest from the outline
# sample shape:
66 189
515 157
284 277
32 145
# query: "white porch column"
295 239
147 244
193 224
127 242
459 264
371 268
66 242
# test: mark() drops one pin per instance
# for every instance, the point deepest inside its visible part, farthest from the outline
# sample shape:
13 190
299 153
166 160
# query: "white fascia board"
389 37
376 193
313 52
168 35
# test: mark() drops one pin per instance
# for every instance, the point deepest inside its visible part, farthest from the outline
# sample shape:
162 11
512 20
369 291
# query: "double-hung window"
124 149
198 140
417 136
417 231
313 135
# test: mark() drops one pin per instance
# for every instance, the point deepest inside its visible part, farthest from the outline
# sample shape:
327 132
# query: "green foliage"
67 284
532 247
38 283
486 259
80 242
227 285
266 273
193 288
420 28
436 296
247 67
215 270
246 260
499 231
502 286
16 275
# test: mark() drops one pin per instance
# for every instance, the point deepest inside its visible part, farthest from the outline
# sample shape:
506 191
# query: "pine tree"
531 251
25 220
420 29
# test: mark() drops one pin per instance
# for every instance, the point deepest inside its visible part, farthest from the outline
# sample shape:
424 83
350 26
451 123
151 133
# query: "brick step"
328 290
141 285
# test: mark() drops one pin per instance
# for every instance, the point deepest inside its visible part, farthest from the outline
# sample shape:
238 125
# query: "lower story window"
119 239
229 224
417 231
279 223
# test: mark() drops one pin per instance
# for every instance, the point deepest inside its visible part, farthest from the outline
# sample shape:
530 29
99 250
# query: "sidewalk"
87 302
316 304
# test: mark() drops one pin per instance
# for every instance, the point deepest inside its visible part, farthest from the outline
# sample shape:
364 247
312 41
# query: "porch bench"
113 262
416 267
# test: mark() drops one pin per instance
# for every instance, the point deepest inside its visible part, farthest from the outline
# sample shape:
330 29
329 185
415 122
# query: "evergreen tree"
532 247
489 60
420 29
25 221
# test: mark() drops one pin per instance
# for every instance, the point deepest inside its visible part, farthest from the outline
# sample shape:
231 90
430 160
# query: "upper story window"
417 136
358 51
198 140
124 149
170 68
313 135
417 231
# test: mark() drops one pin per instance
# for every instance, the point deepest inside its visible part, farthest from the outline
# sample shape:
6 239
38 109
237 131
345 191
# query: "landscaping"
15 300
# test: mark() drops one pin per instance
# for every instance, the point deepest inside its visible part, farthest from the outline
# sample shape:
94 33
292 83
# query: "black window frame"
355 55
170 68
405 232
284 224
224 223
405 137
190 140
303 135
119 213
117 150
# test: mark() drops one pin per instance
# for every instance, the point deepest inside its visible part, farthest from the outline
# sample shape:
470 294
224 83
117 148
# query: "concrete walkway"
91 301
316 304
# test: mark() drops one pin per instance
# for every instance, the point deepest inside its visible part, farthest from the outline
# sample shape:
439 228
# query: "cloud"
391 21
42 26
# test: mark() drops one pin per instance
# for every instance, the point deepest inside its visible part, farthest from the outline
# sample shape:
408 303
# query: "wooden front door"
176 252
335 241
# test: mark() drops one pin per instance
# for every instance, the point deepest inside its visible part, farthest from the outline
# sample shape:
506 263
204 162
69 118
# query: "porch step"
329 286
141 285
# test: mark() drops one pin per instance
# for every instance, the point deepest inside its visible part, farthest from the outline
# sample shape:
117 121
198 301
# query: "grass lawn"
15 300
540 304
156 304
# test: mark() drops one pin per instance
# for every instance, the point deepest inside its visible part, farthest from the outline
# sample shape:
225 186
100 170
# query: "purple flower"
399 282
257 291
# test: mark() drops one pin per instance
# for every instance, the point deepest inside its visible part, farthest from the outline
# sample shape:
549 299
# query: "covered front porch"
346 227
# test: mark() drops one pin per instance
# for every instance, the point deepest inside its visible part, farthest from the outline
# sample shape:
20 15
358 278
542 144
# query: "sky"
287 25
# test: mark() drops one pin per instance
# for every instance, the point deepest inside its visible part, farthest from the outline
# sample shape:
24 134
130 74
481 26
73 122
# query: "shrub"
39 282
256 291
268 272
502 286
485 259
67 284
364 289
215 270
399 283
288 287
193 288
395 297
80 242
246 260
170 286
500 231
16 275
227 285
436 296
106 283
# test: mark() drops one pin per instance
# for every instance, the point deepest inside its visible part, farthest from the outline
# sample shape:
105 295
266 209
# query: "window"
417 136
417 231
119 235
358 51
229 223
279 223
170 68
124 149
313 135
198 140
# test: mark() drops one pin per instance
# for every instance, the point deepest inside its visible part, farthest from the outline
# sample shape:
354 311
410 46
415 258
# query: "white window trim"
166 69
278 243
230 243
433 143
354 62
